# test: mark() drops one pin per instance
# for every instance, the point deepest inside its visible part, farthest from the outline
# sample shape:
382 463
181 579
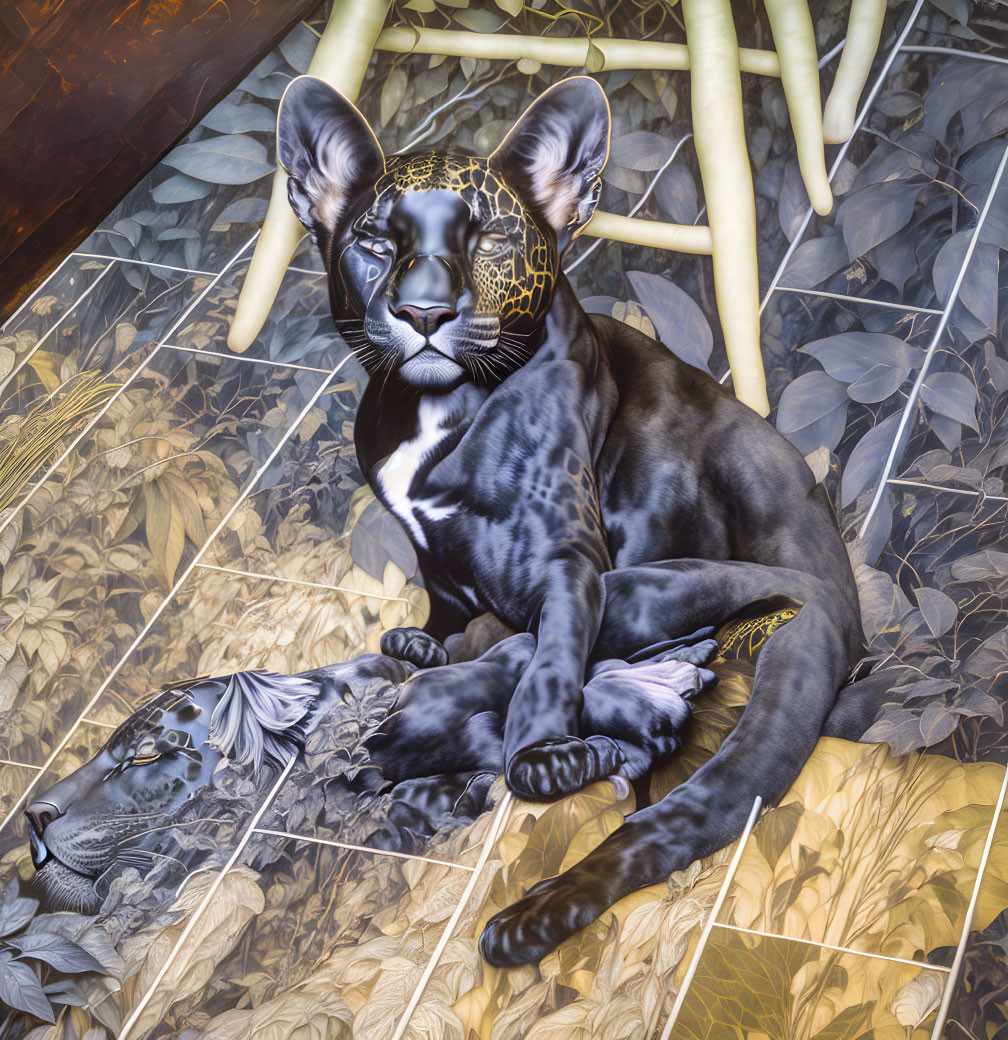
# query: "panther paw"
561 766
414 646
526 931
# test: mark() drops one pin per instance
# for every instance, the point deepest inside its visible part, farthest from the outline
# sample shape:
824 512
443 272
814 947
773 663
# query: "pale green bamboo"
553 50
864 27
719 135
794 38
341 59
683 238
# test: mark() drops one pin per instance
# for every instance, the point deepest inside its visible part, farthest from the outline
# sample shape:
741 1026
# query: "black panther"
564 472
116 811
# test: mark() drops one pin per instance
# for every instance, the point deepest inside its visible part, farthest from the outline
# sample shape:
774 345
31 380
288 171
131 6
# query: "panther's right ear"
328 150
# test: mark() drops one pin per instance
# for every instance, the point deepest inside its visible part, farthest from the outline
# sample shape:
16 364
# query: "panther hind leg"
799 671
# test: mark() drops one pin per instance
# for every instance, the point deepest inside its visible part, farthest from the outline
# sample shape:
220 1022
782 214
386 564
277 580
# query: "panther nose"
425 319
41 814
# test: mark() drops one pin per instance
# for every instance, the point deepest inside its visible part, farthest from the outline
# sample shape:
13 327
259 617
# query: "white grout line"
148 263
29 494
837 949
108 404
241 357
95 722
949 490
858 299
181 581
168 267
909 408
709 923
307 584
361 848
66 314
915 49
971 909
831 54
33 296
490 841
197 914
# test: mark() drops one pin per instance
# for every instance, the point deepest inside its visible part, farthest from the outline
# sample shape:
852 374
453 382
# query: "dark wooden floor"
92 94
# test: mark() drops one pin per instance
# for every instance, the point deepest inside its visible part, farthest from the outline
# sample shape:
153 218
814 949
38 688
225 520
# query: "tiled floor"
201 514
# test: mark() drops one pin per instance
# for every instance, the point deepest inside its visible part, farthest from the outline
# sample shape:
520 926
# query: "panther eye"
491 244
146 751
378 246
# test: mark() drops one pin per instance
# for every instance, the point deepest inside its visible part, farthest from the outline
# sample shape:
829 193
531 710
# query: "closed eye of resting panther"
564 472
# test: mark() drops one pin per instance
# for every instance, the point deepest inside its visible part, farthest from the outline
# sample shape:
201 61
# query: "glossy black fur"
435 755
449 720
563 475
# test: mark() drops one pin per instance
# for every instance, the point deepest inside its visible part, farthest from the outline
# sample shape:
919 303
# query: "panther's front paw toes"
526 931
414 646
561 766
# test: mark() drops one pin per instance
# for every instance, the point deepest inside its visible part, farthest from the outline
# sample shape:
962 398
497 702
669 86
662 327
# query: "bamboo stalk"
683 238
552 50
341 59
864 28
719 134
794 38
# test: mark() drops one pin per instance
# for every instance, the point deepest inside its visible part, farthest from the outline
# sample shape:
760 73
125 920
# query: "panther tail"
800 668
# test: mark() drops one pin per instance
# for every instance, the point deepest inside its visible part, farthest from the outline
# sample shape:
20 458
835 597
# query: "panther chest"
400 476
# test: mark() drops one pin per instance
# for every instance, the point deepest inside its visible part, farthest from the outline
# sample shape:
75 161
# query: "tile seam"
178 584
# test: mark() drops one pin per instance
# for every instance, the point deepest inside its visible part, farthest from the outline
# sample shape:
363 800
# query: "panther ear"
554 154
328 150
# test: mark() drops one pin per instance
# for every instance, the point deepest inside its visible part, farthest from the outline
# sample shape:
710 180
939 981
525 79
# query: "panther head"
112 811
442 265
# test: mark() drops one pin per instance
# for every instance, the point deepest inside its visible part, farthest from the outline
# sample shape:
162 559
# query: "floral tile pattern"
349 960
979 1003
613 978
298 331
751 986
14 781
49 309
102 542
102 339
860 878
869 852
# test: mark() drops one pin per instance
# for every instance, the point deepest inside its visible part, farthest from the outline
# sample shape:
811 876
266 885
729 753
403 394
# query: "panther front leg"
543 754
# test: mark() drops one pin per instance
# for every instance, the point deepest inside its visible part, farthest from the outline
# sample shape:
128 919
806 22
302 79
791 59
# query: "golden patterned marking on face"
514 286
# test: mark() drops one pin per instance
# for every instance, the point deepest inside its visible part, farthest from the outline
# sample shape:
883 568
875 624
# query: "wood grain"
92 94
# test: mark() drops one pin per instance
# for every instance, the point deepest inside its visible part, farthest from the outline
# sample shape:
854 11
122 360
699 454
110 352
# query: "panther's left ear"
554 154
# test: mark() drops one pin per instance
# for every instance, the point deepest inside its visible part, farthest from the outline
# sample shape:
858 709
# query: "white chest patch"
397 473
